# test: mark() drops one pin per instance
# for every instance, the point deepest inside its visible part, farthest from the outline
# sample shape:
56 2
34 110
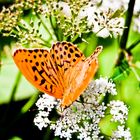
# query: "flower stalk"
128 20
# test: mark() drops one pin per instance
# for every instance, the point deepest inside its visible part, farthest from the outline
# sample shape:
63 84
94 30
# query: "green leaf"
121 71
15 138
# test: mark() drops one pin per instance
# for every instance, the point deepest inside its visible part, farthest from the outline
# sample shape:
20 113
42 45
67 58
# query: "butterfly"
63 72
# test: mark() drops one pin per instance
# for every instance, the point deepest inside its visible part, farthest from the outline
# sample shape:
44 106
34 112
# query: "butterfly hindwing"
79 77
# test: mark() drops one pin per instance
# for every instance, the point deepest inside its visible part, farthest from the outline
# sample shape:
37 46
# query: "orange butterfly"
63 73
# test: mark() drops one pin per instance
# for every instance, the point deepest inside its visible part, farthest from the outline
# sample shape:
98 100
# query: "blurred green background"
18 96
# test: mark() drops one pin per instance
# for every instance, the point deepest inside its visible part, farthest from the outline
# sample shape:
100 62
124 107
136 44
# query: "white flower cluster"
82 118
104 85
123 4
119 111
102 21
101 18
86 16
121 133
45 105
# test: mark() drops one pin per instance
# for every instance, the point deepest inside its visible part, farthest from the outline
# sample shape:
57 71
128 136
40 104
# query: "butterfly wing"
38 67
63 72
79 76
65 55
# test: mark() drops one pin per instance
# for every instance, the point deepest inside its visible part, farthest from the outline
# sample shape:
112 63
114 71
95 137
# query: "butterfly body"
62 72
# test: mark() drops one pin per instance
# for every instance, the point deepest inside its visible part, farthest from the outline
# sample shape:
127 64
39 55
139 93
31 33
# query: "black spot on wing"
76 49
34 56
35 78
77 55
37 64
69 55
66 47
64 53
63 43
69 44
56 51
61 56
51 87
31 61
65 69
53 56
41 71
74 60
34 68
15 53
36 50
71 50
60 48
42 63
42 51
40 55
30 51
53 46
42 82
60 65
46 87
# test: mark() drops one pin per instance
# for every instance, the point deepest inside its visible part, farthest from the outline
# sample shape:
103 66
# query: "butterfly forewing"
37 66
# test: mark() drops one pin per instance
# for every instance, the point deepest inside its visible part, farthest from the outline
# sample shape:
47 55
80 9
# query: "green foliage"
121 72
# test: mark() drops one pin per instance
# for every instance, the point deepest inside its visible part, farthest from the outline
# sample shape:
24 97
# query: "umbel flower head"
73 18
77 17
83 117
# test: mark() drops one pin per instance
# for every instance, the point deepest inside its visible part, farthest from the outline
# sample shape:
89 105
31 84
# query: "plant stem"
129 15
133 46
74 38
44 25
55 29
15 86
29 104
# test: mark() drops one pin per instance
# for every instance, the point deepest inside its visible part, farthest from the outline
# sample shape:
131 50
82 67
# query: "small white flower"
137 7
136 21
44 9
64 8
118 110
41 120
114 4
121 133
104 85
46 101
